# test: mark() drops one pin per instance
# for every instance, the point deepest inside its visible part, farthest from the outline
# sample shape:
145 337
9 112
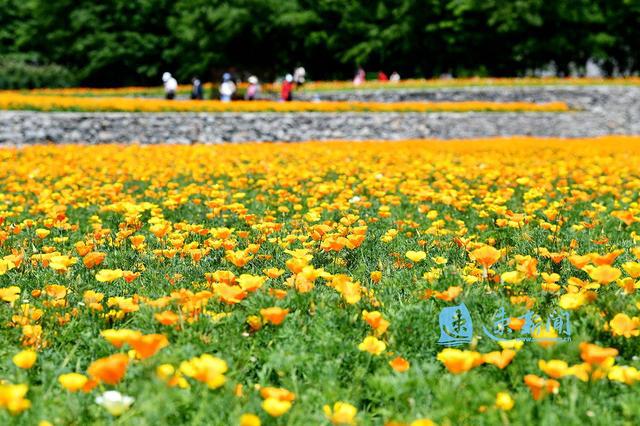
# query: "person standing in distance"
252 89
227 88
196 89
170 86
286 92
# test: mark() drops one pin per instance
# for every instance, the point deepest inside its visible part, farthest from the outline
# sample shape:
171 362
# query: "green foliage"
117 42
18 72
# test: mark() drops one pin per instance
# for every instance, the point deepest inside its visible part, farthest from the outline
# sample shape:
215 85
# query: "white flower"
114 402
354 199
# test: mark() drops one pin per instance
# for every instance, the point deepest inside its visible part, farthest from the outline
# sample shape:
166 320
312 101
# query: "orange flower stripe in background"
348 85
470 82
18 101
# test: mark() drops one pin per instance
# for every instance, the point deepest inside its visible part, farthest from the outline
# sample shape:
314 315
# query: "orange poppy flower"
275 407
486 256
230 294
296 264
372 345
504 401
130 276
281 394
376 321
221 276
10 294
73 382
83 248
56 291
108 275
499 359
516 324
238 258
557 257
527 265
148 345
119 337
416 256
12 397
623 325
251 283
604 274
109 370
540 387
273 272
274 315
93 258
459 361
399 364
555 368
579 261
25 359
449 294
160 229
137 242
606 259
277 293
572 301
596 355
207 369
255 323
167 317
625 216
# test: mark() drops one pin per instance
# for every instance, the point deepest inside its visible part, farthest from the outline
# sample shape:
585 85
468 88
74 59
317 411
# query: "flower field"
300 284
16 101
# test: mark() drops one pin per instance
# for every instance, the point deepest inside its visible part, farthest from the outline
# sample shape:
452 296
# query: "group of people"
228 86
361 77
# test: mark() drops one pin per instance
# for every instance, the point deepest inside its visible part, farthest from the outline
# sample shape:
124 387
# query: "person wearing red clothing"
287 88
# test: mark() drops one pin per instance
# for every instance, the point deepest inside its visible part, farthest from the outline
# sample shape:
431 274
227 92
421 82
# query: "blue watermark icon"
456 326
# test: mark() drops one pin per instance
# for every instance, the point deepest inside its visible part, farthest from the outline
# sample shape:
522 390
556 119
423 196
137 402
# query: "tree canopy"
120 42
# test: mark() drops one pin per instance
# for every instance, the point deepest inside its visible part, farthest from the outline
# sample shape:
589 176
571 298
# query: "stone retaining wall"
603 110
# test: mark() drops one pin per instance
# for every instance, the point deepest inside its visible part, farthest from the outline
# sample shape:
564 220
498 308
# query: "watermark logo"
456 326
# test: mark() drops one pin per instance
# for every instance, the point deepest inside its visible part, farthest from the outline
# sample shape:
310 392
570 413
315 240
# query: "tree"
118 42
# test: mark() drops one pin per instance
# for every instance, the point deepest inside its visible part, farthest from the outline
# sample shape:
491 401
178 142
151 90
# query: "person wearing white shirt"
227 88
170 85
299 76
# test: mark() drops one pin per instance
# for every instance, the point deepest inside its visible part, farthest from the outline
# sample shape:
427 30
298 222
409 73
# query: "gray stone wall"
602 111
